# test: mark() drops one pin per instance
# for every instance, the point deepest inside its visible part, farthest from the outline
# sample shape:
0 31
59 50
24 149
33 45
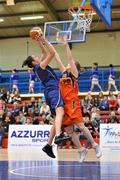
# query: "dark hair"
78 65
95 64
28 62
15 70
111 65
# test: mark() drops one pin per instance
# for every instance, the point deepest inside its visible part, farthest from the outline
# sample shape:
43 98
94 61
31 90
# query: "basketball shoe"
97 151
48 150
83 154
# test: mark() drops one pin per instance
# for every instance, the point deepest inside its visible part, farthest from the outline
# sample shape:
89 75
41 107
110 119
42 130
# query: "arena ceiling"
52 10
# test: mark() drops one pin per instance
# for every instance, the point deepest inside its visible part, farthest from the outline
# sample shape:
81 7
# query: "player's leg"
109 86
58 122
115 87
56 107
88 135
99 86
31 87
48 147
92 87
75 139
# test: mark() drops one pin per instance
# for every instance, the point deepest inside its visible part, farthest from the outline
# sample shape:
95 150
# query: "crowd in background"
14 110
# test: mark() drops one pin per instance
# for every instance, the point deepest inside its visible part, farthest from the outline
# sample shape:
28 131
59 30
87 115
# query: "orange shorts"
73 115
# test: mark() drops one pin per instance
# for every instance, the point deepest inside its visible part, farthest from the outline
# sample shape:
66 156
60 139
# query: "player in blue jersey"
14 80
111 79
51 83
95 77
32 78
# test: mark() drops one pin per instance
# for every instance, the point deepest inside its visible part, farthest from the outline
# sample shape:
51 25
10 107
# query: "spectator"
30 108
2 104
50 119
87 102
15 98
45 108
118 100
1 115
96 101
113 118
93 113
104 106
43 118
3 95
17 119
86 113
28 121
6 123
32 100
112 101
10 116
2 133
15 110
39 102
100 96
8 97
36 110
90 126
24 108
22 117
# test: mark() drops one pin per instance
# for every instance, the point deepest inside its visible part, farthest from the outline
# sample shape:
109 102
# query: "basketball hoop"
82 13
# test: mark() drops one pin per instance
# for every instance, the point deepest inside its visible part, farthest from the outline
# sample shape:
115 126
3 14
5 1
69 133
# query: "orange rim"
85 10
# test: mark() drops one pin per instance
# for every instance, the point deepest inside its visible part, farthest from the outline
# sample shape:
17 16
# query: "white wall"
100 47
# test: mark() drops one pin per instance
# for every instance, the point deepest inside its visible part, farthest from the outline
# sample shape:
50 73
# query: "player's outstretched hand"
64 40
61 39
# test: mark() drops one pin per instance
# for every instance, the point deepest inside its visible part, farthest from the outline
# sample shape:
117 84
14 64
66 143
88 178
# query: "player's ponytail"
28 62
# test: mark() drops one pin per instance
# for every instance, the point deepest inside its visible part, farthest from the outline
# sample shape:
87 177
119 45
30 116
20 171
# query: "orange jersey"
69 91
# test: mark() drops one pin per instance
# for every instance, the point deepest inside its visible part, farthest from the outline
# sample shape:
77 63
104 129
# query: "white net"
88 20
82 13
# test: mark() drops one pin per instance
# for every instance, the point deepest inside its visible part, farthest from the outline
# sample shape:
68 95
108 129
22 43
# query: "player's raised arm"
37 34
43 51
59 62
70 58
51 52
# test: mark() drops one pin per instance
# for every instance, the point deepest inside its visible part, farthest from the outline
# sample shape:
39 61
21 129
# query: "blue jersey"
32 76
112 73
14 78
47 77
95 73
51 83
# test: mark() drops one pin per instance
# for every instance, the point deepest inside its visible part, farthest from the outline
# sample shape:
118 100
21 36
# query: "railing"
84 81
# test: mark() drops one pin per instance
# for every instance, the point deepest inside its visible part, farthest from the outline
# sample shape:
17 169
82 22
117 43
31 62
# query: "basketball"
35 33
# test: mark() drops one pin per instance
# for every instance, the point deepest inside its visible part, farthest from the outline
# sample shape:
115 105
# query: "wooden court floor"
33 164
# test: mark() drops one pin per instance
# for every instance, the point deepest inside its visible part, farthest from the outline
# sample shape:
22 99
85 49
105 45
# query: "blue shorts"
53 99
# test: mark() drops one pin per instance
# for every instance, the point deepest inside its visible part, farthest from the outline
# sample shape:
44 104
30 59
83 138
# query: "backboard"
64 27
103 9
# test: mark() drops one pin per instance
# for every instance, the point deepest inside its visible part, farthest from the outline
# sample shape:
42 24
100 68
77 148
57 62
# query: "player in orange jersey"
72 108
